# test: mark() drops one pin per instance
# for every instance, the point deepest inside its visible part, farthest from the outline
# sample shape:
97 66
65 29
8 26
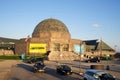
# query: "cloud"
96 25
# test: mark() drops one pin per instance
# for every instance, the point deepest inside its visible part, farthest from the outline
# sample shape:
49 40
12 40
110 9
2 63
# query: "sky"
85 19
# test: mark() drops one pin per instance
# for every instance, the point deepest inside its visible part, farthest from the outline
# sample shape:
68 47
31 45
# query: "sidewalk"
5 68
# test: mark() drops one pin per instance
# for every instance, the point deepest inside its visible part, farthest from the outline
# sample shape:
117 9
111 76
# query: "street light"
80 55
101 47
79 49
107 58
115 48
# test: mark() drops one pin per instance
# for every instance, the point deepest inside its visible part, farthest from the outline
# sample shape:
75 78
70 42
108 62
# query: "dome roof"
50 25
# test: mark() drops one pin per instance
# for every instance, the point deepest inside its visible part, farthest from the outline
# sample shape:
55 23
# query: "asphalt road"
24 71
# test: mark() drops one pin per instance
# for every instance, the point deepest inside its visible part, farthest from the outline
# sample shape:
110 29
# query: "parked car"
33 60
96 59
39 67
64 70
93 74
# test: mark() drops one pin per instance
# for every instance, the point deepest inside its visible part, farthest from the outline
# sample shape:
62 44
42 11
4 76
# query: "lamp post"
101 47
115 48
80 72
99 41
107 58
80 55
27 40
79 49
60 55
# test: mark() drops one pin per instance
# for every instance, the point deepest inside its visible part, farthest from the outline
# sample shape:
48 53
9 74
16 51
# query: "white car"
92 74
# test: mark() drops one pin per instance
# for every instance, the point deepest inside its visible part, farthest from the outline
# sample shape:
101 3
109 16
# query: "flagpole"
27 44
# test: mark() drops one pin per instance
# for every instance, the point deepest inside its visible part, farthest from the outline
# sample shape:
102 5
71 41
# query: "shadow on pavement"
14 78
53 72
26 67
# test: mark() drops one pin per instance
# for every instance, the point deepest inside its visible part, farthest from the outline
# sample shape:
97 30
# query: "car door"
90 76
87 75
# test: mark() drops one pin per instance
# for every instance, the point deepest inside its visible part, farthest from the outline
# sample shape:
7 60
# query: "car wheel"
57 71
85 79
88 61
35 71
71 73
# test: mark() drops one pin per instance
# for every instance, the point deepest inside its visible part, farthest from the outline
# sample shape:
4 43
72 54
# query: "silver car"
93 74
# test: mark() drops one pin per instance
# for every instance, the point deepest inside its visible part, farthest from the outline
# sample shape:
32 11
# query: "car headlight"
63 71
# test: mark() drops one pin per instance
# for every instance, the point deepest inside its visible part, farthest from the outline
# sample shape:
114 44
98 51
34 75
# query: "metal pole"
27 47
101 47
79 64
59 55
80 61
58 59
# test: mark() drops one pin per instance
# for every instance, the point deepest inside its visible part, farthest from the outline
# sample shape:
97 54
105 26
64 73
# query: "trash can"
23 56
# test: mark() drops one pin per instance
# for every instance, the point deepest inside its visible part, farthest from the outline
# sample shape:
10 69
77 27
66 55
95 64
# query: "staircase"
54 55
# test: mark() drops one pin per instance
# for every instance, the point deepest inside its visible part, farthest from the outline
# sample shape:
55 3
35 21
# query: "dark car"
39 67
33 60
64 70
96 59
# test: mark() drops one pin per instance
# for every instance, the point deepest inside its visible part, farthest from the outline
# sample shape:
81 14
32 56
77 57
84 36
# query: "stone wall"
6 52
21 47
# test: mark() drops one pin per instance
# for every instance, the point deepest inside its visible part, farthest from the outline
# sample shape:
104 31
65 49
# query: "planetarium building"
50 35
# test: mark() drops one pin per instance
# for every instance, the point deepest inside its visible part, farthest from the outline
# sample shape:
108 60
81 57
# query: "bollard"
107 67
100 67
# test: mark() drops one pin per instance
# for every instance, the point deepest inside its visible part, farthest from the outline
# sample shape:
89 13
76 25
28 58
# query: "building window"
65 47
56 47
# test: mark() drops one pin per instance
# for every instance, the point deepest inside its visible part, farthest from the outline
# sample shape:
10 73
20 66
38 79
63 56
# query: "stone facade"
6 52
55 35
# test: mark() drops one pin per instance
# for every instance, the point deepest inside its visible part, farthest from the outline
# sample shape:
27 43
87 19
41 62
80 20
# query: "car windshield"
105 76
65 67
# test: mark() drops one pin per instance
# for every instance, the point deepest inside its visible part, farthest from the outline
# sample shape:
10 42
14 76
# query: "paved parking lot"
5 68
114 67
6 65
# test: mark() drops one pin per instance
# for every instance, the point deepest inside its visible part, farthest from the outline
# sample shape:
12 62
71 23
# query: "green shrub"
109 58
18 57
13 57
27 57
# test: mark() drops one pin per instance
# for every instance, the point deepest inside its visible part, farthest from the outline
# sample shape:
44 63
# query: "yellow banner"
37 48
